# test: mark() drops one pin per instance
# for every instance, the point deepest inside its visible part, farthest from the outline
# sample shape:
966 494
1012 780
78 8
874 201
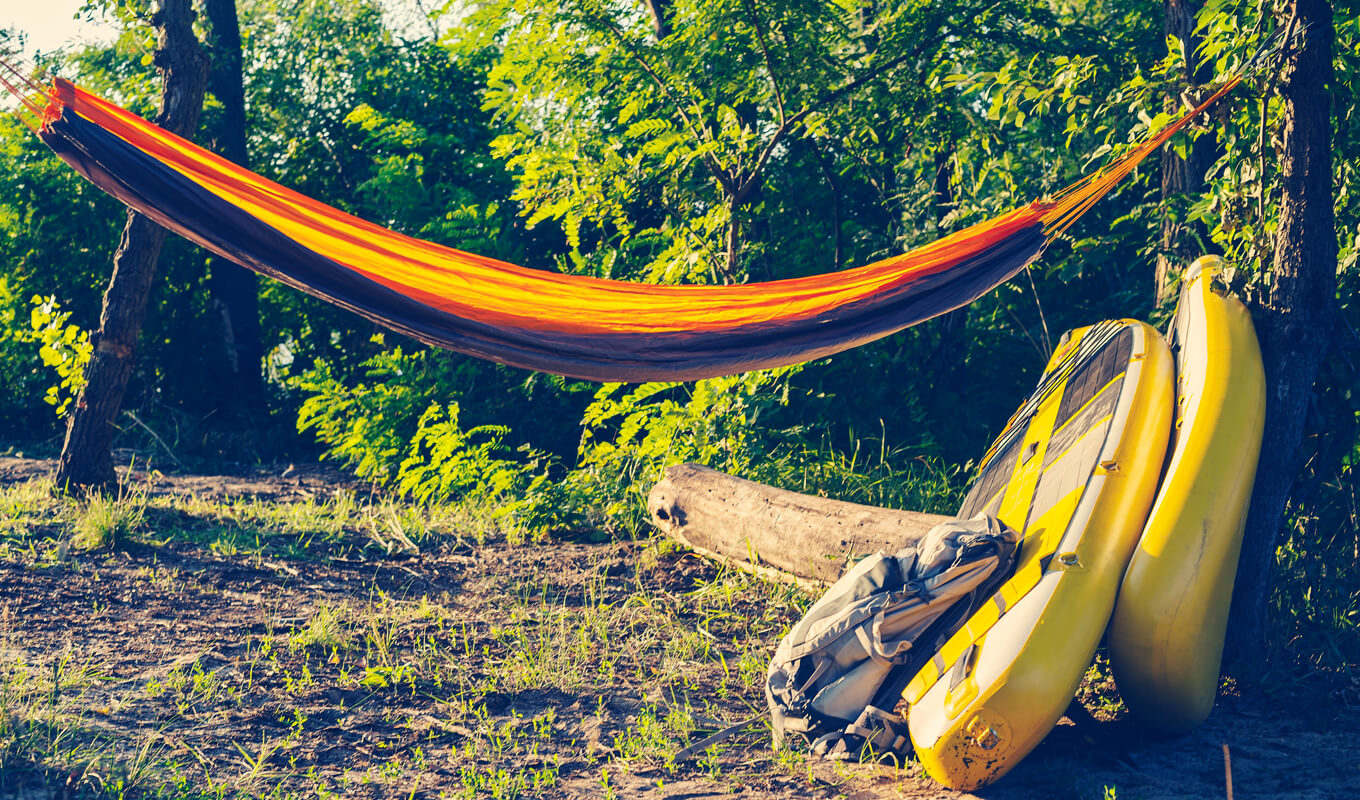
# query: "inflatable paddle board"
1075 471
1166 636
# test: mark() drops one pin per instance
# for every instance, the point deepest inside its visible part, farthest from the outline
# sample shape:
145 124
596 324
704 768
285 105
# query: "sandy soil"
147 615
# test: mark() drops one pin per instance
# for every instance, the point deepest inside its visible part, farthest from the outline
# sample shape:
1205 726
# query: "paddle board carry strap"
835 678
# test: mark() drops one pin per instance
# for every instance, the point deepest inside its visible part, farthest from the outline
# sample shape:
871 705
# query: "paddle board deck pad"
1166 635
1075 471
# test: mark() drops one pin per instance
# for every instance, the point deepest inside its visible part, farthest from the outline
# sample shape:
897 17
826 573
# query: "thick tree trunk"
234 289
1182 177
775 532
1295 317
86 457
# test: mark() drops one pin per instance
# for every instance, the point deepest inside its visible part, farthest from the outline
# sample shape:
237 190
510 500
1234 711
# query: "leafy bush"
445 461
401 427
631 433
398 428
735 424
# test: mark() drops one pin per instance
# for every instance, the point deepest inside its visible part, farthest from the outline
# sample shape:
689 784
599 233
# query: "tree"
1183 175
1295 311
234 289
629 140
86 456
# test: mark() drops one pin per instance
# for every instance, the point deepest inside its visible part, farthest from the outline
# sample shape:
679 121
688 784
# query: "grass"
649 663
36 520
103 522
254 648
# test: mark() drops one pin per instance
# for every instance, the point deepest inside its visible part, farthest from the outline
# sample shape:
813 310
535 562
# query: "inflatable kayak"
1166 636
1075 471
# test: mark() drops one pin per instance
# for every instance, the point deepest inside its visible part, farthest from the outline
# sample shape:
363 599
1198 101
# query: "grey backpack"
837 676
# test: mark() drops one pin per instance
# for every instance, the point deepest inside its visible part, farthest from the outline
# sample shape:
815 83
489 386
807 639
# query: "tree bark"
778 533
660 13
234 290
1182 177
86 456
732 251
951 349
1295 318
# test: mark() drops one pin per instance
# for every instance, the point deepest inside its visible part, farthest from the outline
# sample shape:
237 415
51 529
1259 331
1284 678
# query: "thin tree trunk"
950 351
733 249
829 174
1295 318
1181 177
86 457
660 12
234 290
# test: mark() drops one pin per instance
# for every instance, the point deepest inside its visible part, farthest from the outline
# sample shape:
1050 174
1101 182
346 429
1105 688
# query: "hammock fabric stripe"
571 325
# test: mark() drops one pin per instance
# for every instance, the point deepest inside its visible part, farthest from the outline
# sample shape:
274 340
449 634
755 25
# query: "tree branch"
769 63
700 134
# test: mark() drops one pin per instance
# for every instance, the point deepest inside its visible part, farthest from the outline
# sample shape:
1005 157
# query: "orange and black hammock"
571 325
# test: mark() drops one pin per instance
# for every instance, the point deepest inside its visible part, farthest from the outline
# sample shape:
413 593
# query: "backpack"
838 674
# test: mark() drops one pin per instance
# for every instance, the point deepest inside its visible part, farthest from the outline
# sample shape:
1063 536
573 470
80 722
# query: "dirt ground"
184 667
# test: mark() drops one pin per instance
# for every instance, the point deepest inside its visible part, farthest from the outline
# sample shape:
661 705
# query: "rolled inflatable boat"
1075 470
1166 636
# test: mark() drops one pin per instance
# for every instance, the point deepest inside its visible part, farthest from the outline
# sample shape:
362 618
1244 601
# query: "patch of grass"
104 522
870 473
49 741
30 513
327 630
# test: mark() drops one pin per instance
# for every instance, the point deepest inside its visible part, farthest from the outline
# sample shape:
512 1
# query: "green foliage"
754 140
631 433
714 152
397 428
63 347
15 356
389 429
445 461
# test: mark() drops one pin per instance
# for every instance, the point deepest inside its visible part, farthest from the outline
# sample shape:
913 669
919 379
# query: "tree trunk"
86 457
234 289
660 12
732 251
1180 242
778 533
951 349
1295 318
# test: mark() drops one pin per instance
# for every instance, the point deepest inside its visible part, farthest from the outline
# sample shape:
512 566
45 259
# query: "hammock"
571 325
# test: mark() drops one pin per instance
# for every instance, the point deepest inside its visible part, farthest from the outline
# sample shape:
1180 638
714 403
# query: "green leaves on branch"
63 347
631 433
391 429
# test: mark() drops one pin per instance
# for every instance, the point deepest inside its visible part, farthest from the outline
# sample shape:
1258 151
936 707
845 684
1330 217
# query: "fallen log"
775 532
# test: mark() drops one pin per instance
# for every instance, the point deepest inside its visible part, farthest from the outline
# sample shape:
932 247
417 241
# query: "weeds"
477 670
326 630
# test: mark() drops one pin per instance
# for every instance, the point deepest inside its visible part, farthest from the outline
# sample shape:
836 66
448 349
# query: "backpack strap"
708 741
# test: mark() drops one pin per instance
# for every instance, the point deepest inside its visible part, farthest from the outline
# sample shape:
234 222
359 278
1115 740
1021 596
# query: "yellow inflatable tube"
1080 491
1166 637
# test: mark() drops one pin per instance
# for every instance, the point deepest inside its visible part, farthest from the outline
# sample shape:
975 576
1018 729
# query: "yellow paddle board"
1075 470
1166 636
